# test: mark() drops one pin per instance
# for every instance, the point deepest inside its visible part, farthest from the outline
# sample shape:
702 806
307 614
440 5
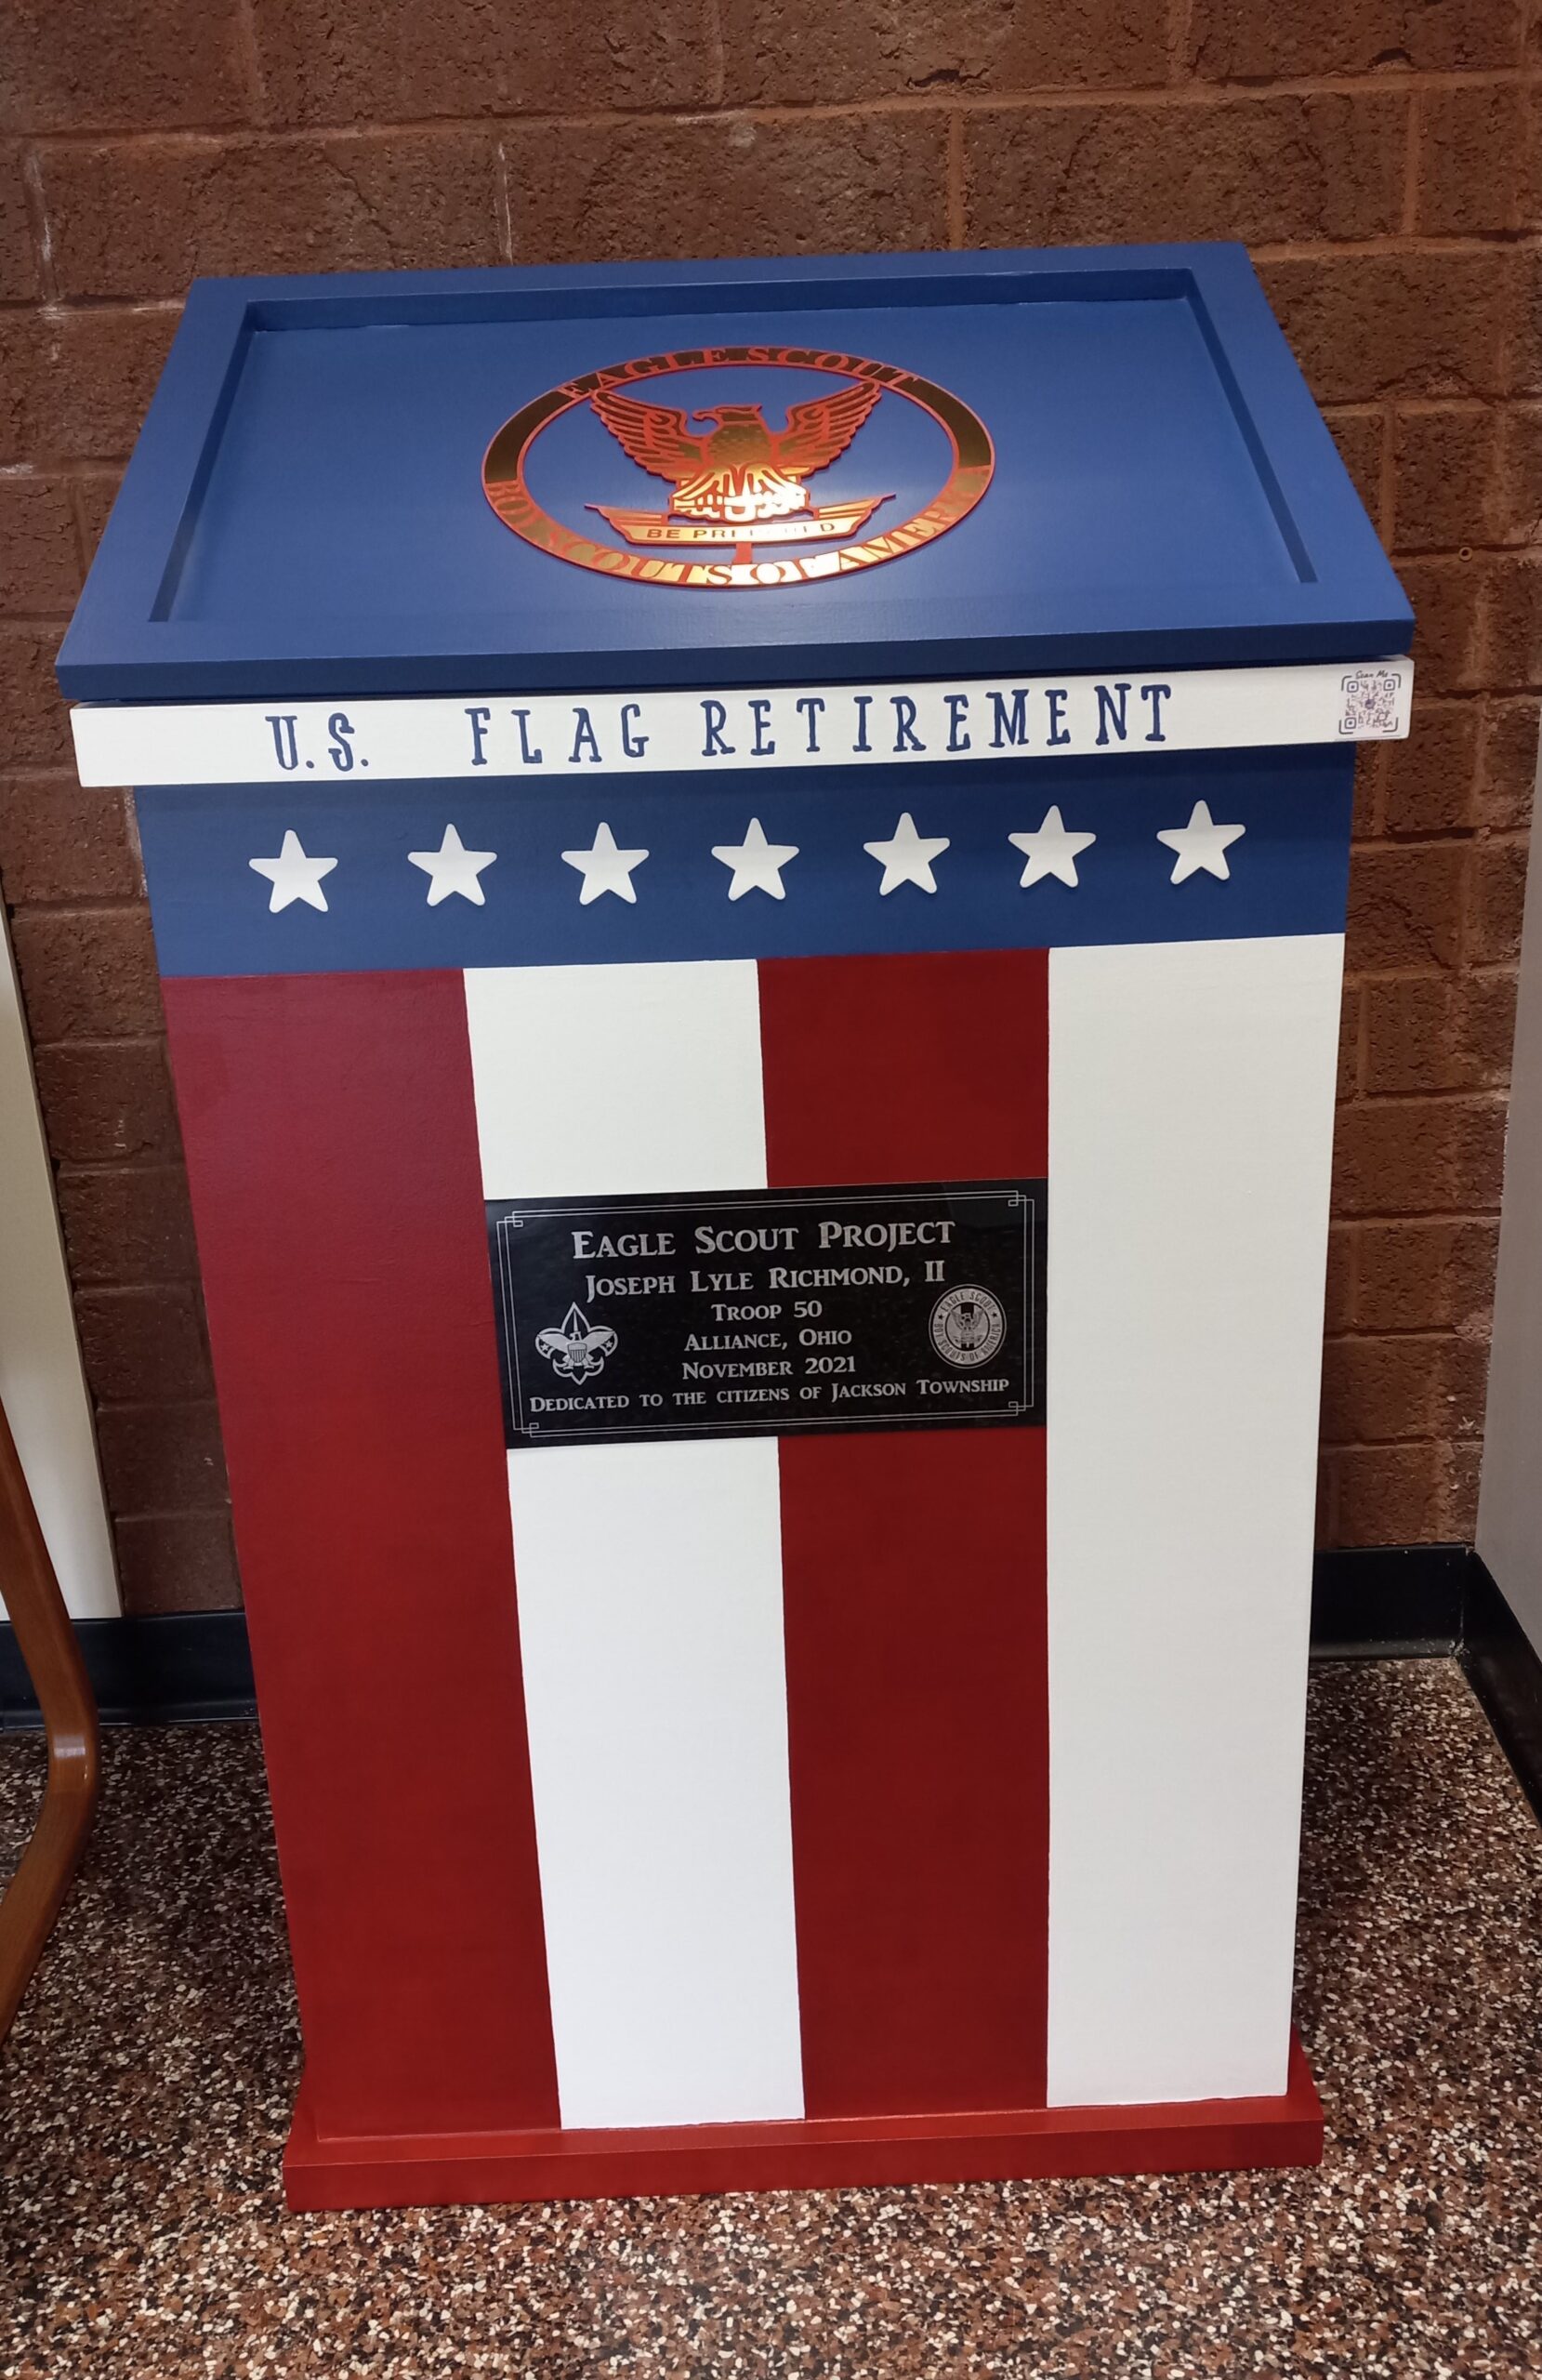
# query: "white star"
908 856
1199 844
605 869
293 875
453 869
757 865
1051 851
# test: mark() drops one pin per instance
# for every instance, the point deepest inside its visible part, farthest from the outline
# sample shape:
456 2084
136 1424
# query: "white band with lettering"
582 734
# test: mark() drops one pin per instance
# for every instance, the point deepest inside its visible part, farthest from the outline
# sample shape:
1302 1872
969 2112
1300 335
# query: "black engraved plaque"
897 1307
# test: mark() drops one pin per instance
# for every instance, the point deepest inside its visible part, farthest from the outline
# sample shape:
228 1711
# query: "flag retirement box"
748 868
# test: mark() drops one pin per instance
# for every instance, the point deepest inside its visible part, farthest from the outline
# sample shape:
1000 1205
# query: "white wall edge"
1510 1496
41 1383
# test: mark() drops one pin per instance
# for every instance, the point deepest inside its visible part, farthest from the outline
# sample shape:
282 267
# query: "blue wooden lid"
936 465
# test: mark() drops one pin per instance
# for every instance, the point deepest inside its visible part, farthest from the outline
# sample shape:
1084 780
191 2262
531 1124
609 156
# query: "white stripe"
649 1587
857 726
1190 1125
592 1080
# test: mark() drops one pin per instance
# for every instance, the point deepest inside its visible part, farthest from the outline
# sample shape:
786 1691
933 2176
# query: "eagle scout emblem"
967 1326
732 472
769 467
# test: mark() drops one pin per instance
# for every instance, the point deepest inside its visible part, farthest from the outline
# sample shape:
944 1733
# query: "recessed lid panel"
661 475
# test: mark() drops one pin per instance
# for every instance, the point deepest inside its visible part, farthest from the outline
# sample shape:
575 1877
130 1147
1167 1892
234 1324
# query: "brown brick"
1497 898
1235 38
109 1101
736 184
138 218
18 259
1388 1495
20 373
1475 164
1365 816
1449 596
71 65
143 1344
33 729
1357 432
341 61
1520 360
1338 1301
1512 643
1461 1468
127 1225
162 1459
77 383
1348 1042
1506 772
1430 780
1438 1033
88 974
1489 1024
1424 1276
1370 792
1461 1389
783 53
61 841
1405 906
1431 324
1448 490
1413 1157
95 493
1325 166
178 1562
1377 1390
1518 506
39 566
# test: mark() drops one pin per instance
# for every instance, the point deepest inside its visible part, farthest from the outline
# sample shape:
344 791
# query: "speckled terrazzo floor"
145 2095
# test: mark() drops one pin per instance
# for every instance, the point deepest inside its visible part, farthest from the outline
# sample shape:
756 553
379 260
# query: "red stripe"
915 1578
331 1142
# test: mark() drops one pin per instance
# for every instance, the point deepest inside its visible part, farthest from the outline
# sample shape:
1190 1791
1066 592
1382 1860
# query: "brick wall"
1375 153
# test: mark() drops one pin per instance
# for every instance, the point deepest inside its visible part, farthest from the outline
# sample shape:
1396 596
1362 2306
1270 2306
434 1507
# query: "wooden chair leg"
46 1643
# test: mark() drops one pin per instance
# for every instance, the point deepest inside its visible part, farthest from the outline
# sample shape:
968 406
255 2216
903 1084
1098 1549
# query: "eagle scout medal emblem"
967 1326
742 437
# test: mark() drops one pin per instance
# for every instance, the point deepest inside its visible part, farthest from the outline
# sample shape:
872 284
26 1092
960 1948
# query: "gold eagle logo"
738 482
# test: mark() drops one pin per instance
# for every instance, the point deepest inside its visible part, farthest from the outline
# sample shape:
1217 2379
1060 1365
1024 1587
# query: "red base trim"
498 2168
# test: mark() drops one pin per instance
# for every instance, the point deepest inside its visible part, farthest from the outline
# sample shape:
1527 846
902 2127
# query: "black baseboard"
1388 1602
158 1672
1505 1672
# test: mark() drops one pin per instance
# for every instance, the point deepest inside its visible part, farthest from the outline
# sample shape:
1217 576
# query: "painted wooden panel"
649 1584
1190 1129
651 1618
591 1079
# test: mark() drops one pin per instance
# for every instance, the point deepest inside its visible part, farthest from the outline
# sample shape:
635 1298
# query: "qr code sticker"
1371 702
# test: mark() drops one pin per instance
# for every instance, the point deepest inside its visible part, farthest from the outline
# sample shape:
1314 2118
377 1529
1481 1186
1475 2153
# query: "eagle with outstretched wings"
740 469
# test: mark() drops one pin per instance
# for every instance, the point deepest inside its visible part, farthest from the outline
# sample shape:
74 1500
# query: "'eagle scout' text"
756 1239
